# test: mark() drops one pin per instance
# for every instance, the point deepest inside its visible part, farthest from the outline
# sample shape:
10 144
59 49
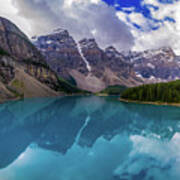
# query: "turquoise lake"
88 138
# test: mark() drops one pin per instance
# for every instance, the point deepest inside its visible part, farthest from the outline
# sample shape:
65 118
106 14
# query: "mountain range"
55 64
93 69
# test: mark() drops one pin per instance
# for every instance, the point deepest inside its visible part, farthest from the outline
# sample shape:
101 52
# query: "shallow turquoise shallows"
88 138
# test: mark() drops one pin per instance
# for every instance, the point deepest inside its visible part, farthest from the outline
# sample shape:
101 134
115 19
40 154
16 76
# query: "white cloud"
123 17
164 36
168 33
127 8
150 2
93 18
82 18
7 10
138 18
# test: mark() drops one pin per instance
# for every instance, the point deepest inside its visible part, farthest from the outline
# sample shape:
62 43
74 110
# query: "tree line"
159 92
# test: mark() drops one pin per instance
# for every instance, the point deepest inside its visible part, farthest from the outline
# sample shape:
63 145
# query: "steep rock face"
16 83
61 53
108 65
18 54
94 55
117 63
16 43
6 69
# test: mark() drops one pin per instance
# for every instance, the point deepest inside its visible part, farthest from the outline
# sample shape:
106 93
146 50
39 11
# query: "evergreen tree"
160 92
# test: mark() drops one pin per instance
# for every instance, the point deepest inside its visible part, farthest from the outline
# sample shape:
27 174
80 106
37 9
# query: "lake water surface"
88 138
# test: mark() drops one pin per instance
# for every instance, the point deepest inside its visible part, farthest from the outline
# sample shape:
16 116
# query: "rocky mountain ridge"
94 69
84 62
159 65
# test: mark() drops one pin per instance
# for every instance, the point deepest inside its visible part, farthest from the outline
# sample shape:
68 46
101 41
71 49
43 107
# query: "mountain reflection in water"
85 138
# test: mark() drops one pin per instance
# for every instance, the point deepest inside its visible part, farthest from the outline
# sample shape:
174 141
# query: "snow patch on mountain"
150 65
83 57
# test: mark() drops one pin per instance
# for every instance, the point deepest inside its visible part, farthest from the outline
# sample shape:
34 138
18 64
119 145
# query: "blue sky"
154 23
139 7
